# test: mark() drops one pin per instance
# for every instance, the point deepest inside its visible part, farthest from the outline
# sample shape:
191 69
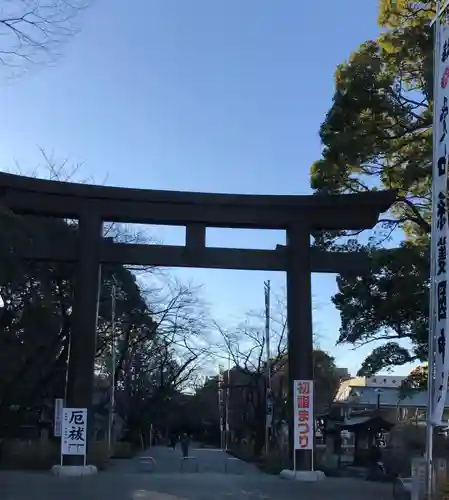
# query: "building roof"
389 396
373 421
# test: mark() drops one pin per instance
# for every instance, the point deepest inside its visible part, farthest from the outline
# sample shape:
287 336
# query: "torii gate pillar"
300 328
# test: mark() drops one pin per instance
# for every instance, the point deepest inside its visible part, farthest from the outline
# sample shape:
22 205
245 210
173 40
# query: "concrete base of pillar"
74 470
310 476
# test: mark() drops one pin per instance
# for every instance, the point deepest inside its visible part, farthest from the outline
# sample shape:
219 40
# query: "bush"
274 462
42 455
98 454
123 449
244 452
398 460
443 494
36 455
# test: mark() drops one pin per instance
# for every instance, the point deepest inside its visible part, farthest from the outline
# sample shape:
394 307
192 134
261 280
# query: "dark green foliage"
35 328
377 134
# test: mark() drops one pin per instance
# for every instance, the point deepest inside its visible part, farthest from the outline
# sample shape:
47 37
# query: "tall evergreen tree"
378 134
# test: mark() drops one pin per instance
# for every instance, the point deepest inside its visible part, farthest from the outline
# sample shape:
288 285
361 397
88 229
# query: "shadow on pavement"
128 480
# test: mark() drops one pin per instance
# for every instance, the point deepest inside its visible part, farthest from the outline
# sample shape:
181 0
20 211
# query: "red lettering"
303 416
304 387
303 401
304 427
303 441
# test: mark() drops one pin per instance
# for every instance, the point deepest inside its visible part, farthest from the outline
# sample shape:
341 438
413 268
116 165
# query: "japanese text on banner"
439 317
303 414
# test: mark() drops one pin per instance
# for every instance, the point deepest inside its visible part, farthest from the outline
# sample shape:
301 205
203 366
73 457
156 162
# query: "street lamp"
378 391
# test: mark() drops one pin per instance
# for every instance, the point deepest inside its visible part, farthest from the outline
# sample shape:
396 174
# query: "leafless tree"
245 343
34 31
246 382
160 339
245 347
160 351
166 334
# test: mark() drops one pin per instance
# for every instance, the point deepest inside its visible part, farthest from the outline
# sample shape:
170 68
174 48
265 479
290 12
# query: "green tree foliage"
154 358
416 380
326 380
377 134
388 303
36 319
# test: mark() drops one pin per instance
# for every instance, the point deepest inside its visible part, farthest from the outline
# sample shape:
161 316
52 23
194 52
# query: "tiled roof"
389 396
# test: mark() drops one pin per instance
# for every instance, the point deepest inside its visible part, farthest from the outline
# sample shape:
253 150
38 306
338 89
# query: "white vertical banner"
303 414
220 397
57 420
439 319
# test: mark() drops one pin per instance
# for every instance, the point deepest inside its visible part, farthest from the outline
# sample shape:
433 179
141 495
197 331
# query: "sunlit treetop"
398 13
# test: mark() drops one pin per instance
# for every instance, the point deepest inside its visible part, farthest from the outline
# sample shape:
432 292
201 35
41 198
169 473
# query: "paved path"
127 481
169 461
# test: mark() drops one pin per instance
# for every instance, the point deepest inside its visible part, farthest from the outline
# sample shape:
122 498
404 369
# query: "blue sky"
199 95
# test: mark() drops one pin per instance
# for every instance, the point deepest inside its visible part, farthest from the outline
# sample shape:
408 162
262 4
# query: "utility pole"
269 400
228 398
112 402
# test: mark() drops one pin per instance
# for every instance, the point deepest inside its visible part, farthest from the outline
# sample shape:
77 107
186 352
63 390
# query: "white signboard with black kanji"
74 431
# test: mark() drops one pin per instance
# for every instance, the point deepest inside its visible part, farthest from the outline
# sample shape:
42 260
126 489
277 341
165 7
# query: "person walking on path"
185 442
173 439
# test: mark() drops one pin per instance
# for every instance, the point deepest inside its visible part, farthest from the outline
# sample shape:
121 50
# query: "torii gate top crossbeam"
28 195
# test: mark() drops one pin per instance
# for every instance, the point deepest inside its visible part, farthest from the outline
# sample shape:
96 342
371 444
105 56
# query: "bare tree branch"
32 32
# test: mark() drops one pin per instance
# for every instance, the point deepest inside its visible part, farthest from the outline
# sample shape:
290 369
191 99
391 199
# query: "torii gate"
299 216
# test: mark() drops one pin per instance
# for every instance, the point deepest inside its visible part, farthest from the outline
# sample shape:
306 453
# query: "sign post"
303 417
74 432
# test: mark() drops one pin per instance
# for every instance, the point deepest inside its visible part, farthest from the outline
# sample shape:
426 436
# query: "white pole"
431 343
112 405
441 9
